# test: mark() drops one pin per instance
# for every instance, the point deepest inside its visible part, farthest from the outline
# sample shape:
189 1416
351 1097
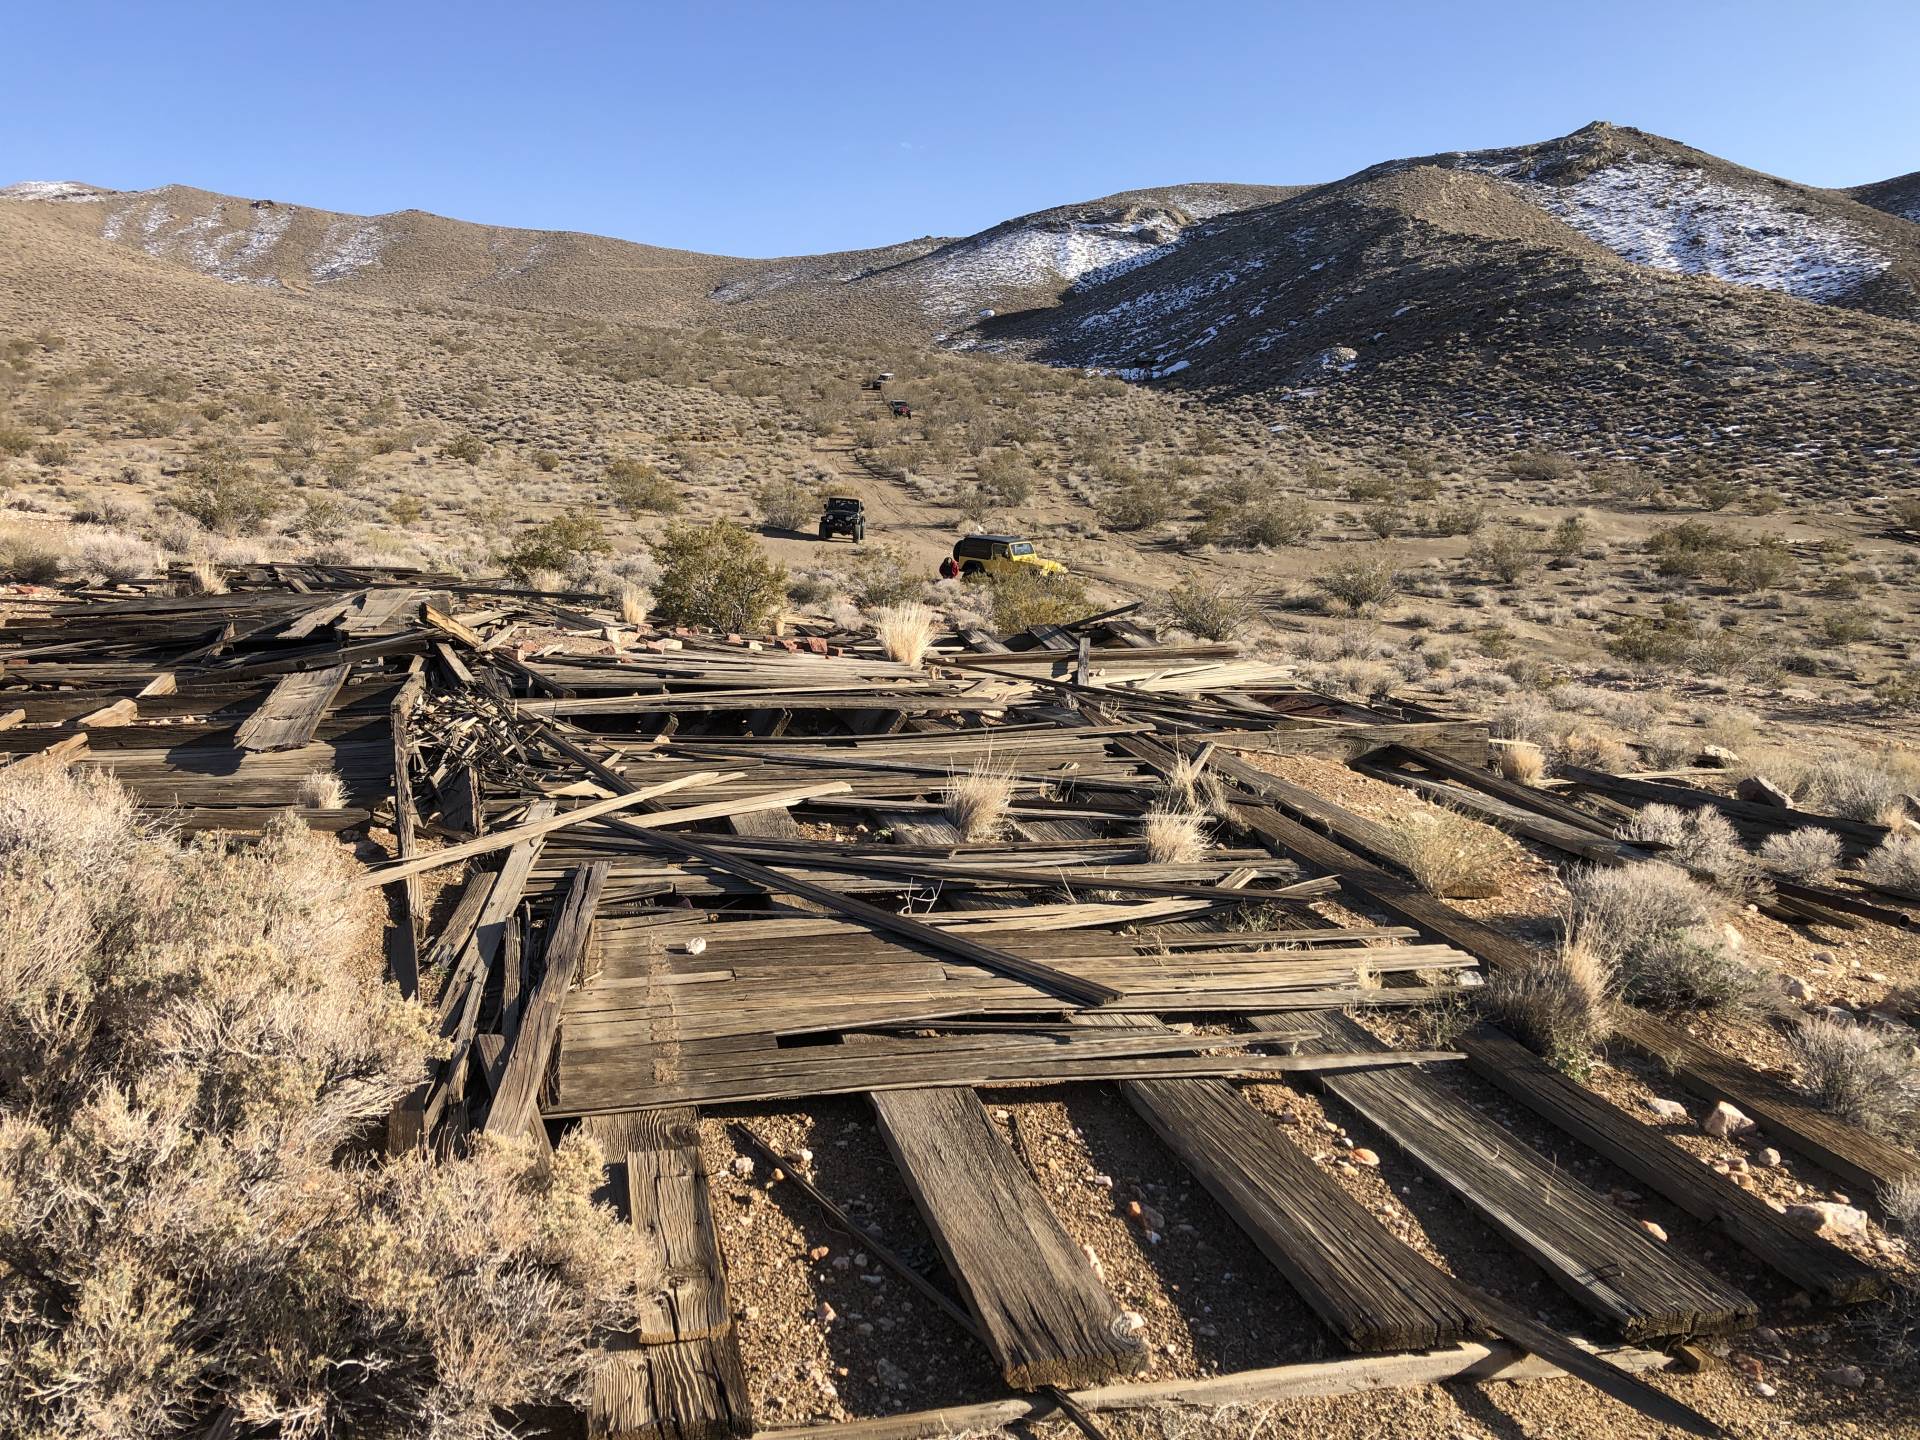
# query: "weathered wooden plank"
1030 1288
515 1102
1599 1257
290 715
1824 1269
683 1285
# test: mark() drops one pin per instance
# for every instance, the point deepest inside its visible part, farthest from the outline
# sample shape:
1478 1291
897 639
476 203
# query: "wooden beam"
515 1103
292 711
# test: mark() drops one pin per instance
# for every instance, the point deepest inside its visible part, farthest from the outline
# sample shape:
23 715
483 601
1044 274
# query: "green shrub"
787 505
558 545
223 492
637 487
1023 597
1007 476
546 461
1140 504
716 575
1507 554
1644 641
14 440
884 576
1541 465
1360 583
465 447
1208 609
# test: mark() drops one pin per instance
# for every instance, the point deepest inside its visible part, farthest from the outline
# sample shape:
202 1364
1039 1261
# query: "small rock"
1103 1182
1726 1123
1847 1377
1131 1322
1768 1159
1798 989
743 1167
1832 1220
1654 1230
1764 1390
818 1253
1003 1116
1758 790
1361 1155
1718 755
696 946
825 1313
1768 1336
1667 1109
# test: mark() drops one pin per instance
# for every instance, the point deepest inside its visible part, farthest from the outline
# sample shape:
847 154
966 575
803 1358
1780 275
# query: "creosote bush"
225 493
638 488
194 1042
560 546
787 505
1209 609
1023 597
1360 583
718 576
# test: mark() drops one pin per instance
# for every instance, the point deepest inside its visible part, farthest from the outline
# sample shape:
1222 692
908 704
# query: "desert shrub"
787 505
1360 583
52 453
1895 863
905 632
1208 609
1702 840
1023 597
545 461
1174 837
1465 518
191 1040
716 575
1450 854
1660 934
1561 1006
1901 1200
1140 504
224 493
1522 762
1761 562
1650 642
1689 550
1809 856
561 545
1507 554
32 558
1251 519
1865 1077
1847 627
468 448
406 509
1544 465
14 441
1006 476
1384 521
883 576
978 801
1851 788
1569 537
638 488
113 557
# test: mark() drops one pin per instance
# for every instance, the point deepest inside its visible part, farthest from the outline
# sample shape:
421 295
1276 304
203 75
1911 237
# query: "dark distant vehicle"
901 409
875 384
844 515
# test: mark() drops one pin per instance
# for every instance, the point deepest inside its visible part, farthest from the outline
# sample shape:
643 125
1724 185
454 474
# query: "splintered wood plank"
1032 1291
1373 1291
291 714
679 1376
1597 1255
1828 1272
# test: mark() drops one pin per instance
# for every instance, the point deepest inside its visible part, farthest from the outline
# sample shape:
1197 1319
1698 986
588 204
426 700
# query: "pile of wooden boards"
637 871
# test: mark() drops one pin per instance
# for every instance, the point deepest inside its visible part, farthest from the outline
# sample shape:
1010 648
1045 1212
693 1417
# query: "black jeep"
844 515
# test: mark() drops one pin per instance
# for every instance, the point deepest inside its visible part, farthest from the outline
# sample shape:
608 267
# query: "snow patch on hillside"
1673 218
347 248
209 243
68 190
962 276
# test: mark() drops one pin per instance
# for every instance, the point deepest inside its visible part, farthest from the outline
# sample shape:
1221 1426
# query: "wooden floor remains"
690 872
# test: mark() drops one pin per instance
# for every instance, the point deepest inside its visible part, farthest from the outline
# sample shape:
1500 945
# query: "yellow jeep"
1000 554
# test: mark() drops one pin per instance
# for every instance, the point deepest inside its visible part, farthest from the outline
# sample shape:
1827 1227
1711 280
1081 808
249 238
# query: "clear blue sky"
786 128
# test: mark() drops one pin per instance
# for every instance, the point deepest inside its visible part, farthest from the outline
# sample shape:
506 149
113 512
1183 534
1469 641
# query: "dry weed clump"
905 632
323 790
1522 762
1174 837
1851 788
193 1042
634 602
1561 1006
1809 856
978 802
1864 1076
1895 864
1661 934
1701 840
1452 856
1901 1201
1192 785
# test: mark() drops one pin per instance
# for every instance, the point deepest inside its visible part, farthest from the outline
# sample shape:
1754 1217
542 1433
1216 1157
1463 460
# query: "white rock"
1768 1158
1667 1109
696 946
1829 1218
1798 989
1726 1123
743 1167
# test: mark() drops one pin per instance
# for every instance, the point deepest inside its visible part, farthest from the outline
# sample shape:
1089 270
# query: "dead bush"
1561 1006
1702 841
1208 609
323 790
1895 864
1522 762
1451 855
1864 1076
1901 1201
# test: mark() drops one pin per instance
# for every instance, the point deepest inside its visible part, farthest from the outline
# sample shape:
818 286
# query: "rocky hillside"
1898 196
1610 293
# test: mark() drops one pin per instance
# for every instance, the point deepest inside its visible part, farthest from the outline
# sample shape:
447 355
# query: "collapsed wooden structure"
690 870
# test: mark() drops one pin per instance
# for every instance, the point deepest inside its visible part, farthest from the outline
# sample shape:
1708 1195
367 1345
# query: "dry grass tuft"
1452 856
323 790
1701 840
1174 837
1901 1201
1561 1006
1523 762
1192 785
635 602
1661 934
193 1041
978 801
206 578
1865 1077
905 632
